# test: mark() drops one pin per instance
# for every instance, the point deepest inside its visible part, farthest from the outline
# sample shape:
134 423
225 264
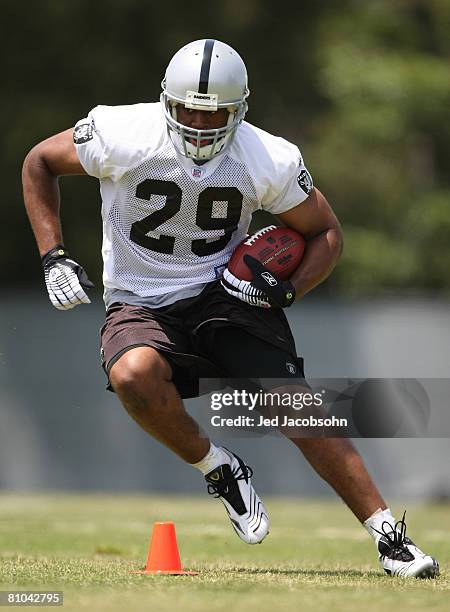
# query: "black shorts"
212 335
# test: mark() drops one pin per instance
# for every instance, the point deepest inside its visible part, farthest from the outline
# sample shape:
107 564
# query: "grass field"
316 556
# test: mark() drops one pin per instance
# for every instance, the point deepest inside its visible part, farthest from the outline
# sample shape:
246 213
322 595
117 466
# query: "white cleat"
399 556
231 482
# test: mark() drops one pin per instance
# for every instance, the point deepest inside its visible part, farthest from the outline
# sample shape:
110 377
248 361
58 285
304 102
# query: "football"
280 249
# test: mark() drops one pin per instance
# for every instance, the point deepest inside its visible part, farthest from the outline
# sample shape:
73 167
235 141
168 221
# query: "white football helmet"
204 75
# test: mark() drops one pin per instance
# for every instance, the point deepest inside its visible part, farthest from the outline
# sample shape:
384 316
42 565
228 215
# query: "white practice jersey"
168 223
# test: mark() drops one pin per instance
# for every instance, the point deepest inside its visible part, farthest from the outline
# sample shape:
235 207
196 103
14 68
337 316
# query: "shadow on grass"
306 572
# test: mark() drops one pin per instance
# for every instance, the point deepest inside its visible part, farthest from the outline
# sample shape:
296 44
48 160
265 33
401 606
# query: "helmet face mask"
204 75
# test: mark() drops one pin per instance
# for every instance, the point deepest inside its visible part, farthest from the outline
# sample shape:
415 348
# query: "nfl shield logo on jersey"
197 172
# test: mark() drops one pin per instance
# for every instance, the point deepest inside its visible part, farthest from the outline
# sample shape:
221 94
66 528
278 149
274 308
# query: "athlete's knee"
140 375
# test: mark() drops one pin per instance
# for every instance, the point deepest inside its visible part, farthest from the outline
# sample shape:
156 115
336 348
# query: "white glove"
243 290
65 279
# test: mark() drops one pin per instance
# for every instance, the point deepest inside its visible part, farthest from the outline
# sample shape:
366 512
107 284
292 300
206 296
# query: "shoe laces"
239 472
394 537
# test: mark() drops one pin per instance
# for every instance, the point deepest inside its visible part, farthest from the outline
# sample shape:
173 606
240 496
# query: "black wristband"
57 252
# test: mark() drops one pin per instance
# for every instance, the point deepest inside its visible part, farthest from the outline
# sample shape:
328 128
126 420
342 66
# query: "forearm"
321 256
41 197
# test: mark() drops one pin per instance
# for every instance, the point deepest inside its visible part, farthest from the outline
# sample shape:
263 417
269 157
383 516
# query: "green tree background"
363 87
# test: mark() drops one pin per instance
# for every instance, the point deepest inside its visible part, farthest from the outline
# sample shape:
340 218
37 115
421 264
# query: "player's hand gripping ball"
261 265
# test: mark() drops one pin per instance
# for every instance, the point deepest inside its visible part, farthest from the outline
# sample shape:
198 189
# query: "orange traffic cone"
163 556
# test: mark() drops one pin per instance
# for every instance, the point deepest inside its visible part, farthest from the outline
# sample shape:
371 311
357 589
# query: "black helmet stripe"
206 65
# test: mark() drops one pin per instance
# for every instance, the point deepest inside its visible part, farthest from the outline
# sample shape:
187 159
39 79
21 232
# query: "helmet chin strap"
231 114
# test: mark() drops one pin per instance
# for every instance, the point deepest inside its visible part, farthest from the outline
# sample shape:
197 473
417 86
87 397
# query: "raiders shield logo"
83 133
305 181
290 367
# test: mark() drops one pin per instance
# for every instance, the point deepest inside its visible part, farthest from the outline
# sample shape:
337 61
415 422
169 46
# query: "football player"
179 181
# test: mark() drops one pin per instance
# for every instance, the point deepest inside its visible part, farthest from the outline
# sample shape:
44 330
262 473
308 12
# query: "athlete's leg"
340 464
151 364
142 378
336 460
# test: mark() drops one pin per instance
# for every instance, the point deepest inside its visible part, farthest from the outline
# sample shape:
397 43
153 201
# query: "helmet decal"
206 65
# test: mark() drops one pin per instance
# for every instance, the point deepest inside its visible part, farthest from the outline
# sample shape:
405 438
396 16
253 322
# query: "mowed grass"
316 557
